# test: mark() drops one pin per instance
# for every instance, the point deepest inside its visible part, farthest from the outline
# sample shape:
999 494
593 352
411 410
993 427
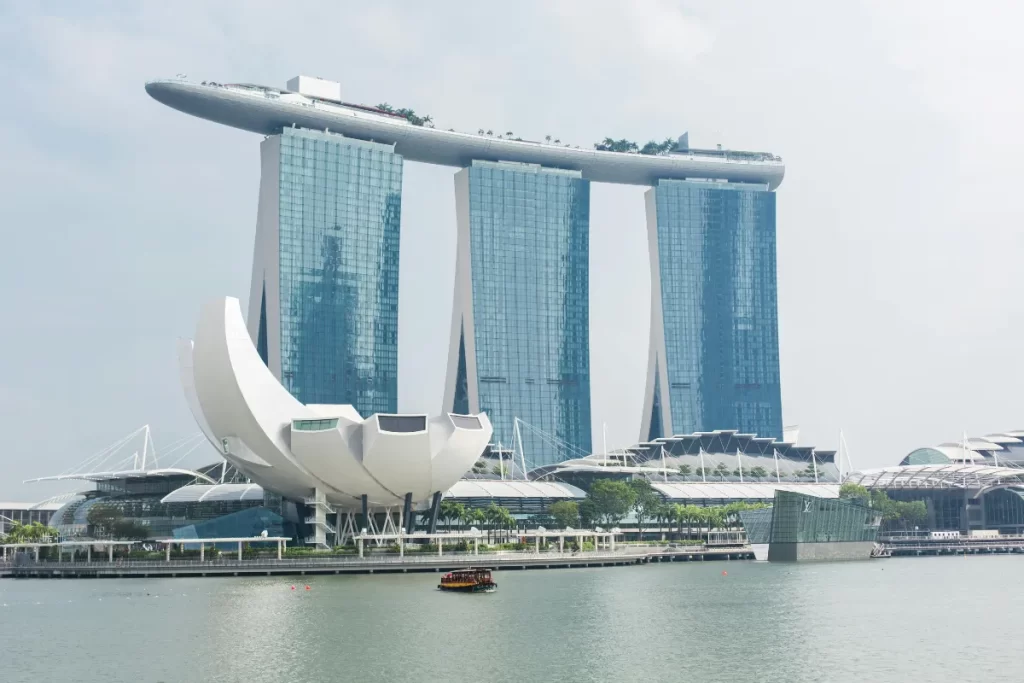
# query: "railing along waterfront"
371 562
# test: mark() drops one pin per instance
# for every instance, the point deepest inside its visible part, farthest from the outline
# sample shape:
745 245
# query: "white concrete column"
561 544
279 551
110 553
440 547
239 550
359 542
88 554
167 553
202 552
37 553
476 546
401 543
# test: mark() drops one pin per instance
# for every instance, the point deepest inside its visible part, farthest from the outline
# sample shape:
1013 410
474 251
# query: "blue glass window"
339 216
530 251
716 253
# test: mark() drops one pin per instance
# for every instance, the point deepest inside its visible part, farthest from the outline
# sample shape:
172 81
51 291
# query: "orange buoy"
307 587
725 573
293 587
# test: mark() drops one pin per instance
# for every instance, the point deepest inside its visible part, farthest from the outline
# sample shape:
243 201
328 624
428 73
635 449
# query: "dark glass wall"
340 214
716 254
530 251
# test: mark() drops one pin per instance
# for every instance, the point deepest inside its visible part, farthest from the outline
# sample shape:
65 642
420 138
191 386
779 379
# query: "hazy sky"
899 221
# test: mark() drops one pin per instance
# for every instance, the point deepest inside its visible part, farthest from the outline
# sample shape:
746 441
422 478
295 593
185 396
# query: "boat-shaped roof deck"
266 110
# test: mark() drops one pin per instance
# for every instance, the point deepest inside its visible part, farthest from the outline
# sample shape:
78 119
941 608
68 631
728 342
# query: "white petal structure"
299 451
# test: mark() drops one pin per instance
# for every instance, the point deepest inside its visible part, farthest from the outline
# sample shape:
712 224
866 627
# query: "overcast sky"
899 221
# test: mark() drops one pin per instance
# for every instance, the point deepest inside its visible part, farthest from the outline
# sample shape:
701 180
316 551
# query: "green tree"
685 470
721 470
588 513
129 530
36 532
758 472
912 513
501 470
611 500
851 490
646 502
565 512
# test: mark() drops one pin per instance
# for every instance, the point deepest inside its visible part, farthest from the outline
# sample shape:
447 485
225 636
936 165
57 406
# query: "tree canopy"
36 532
610 500
566 513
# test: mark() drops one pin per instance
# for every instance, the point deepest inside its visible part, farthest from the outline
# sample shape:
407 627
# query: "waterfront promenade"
383 563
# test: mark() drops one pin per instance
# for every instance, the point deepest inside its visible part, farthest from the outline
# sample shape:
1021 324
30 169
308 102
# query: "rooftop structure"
951 476
1002 449
709 457
267 110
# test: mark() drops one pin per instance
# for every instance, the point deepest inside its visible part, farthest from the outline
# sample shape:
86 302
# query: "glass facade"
530 252
339 224
716 256
797 518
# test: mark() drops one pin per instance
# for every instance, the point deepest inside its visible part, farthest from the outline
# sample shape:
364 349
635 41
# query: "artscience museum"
346 469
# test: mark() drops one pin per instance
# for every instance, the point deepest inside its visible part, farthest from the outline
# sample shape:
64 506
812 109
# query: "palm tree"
450 510
509 134
480 131
547 138
557 141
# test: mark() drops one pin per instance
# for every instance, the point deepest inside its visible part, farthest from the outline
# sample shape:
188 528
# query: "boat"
472 580
880 551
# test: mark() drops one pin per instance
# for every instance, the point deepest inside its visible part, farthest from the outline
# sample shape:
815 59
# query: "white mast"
814 461
739 462
501 463
839 456
775 455
522 458
604 436
664 469
703 476
145 444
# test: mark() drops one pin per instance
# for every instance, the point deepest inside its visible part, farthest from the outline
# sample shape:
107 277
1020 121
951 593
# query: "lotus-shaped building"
326 456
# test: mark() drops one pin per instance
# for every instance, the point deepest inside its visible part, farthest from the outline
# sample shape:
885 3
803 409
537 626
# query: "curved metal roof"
266 110
483 488
217 493
124 474
951 476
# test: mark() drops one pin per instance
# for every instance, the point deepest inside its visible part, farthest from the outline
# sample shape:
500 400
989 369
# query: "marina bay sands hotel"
323 306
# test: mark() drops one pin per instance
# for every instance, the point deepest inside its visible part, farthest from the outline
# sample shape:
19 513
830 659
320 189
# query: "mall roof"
734 491
124 474
30 506
951 476
266 110
489 488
